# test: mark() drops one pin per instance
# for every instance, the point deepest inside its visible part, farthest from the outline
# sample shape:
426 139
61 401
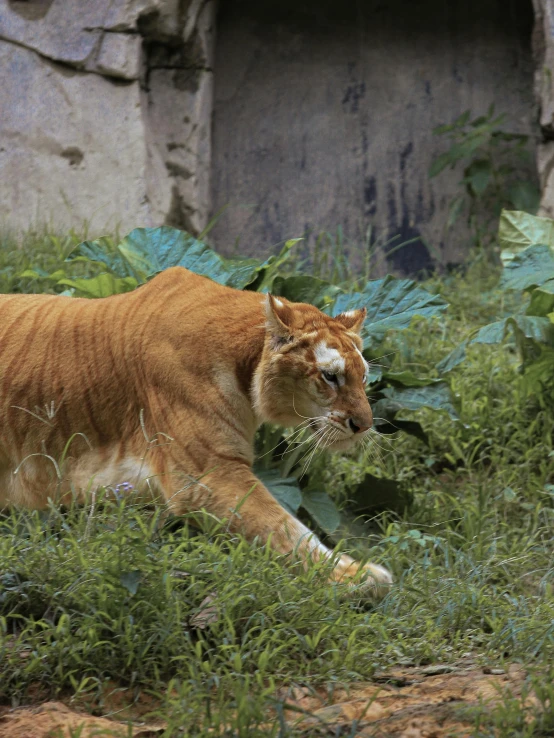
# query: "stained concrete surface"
323 116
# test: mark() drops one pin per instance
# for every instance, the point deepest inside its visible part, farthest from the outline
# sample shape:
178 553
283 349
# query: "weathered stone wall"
105 113
543 50
324 114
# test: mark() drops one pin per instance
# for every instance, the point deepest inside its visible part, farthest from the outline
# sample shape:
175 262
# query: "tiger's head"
312 372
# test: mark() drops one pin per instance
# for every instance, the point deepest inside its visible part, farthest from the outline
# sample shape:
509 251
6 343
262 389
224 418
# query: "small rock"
438 669
490 670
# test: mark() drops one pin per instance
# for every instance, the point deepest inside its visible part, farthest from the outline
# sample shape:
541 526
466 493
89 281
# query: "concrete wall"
105 113
322 117
324 114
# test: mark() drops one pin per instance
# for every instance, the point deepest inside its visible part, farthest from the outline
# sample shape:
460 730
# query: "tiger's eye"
330 377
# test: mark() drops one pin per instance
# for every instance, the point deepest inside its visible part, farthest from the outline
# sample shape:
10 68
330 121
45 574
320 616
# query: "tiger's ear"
279 318
352 320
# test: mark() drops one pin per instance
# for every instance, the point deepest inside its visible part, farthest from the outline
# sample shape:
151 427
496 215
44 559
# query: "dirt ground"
422 702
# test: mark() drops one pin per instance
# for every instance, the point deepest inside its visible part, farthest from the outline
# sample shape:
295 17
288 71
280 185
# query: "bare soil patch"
422 702
57 720
409 702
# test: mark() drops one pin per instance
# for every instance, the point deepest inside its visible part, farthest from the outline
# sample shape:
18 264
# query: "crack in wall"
122 32
77 67
192 68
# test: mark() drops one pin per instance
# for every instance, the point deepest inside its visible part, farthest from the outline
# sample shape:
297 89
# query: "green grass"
111 595
42 252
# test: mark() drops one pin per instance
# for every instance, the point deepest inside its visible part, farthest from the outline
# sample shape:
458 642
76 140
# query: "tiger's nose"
357 425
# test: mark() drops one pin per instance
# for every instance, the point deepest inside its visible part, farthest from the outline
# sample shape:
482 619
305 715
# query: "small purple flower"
122 489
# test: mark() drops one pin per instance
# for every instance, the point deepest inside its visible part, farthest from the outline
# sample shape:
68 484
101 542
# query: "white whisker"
315 439
320 440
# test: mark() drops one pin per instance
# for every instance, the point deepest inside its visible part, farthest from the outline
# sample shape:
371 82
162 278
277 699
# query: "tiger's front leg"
232 492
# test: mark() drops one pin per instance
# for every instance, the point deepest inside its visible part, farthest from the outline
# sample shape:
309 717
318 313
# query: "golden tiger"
161 390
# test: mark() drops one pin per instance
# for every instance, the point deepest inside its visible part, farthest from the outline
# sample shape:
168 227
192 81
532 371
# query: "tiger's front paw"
368 579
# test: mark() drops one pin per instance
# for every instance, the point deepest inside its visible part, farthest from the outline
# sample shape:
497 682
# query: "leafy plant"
528 266
391 305
493 161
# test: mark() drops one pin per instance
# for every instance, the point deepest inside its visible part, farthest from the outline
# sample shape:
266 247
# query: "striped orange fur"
162 389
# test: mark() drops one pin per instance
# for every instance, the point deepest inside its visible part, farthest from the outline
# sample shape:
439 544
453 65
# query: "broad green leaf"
130 580
521 138
518 230
529 345
408 379
386 423
42 274
374 494
411 427
491 333
315 291
437 397
391 304
453 359
286 491
104 285
478 175
104 251
469 145
151 250
533 327
322 509
57 275
533 266
539 329
525 195
384 413
539 374
542 300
